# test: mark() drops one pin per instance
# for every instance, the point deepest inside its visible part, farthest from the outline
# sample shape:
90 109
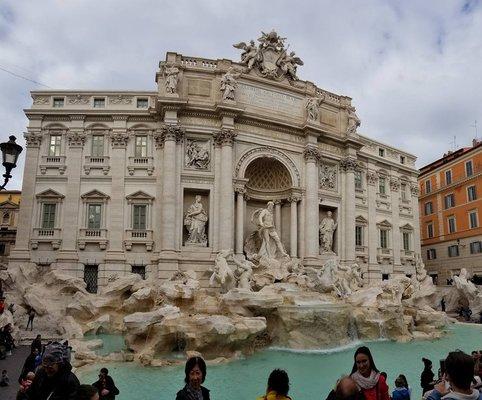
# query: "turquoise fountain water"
312 373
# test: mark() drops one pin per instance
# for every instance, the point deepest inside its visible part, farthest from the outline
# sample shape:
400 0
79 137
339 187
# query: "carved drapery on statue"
195 222
171 74
327 229
229 84
271 59
313 108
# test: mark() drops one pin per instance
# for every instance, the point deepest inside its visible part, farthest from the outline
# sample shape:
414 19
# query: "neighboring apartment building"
9 205
450 210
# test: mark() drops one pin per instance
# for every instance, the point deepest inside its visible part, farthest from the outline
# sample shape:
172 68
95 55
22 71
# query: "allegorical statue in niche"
195 221
353 121
229 84
197 155
327 229
250 54
313 108
270 241
171 73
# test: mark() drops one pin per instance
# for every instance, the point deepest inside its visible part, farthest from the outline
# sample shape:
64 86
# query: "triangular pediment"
139 195
361 220
384 224
94 194
407 227
50 194
7 204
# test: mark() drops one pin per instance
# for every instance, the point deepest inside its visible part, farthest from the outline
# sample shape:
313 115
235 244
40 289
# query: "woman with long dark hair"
367 376
195 371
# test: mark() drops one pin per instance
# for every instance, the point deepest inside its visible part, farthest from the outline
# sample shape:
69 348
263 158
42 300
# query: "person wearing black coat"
54 380
195 371
28 365
106 386
426 378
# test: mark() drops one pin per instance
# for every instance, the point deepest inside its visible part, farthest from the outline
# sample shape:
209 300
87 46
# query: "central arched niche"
268 179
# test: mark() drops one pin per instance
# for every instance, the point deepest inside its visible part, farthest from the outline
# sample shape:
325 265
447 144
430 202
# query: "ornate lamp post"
10 153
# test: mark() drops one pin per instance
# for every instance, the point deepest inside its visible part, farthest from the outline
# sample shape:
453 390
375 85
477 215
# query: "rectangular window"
476 247
431 254
358 235
91 274
97 145
449 201
428 208
358 180
428 186
406 241
451 224
381 152
382 189
99 102
468 168
55 145
58 102
384 239
48 216
139 270
139 216
3 249
471 193
94 213
142 103
448 177
402 159
453 250
403 191
430 230
474 223
141 146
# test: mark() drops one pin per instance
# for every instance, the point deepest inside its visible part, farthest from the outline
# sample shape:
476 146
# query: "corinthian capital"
224 137
311 153
76 138
33 138
119 139
349 164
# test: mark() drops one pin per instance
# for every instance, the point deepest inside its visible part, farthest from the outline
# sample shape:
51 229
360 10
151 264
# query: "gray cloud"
411 67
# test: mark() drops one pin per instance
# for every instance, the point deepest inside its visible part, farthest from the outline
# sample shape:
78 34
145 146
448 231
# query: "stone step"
26 337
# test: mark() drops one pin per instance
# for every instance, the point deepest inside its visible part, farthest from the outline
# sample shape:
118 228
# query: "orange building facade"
450 210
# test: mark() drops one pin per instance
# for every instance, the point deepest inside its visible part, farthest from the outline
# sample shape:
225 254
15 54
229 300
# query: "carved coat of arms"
270 59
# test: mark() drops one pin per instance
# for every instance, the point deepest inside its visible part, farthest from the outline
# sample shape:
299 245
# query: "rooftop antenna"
454 143
475 127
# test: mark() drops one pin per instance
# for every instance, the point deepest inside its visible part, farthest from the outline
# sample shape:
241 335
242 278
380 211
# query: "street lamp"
10 153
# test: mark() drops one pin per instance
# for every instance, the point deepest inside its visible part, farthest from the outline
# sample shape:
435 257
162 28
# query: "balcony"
46 235
52 162
95 236
140 163
361 253
138 236
407 256
384 254
96 162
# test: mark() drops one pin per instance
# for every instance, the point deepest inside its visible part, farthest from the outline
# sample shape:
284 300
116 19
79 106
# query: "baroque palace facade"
159 181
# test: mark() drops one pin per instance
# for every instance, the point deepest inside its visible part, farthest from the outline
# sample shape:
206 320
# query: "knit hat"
54 353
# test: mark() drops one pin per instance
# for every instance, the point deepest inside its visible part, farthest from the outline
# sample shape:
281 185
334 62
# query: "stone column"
171 134
159 172
225 138
293 226
33 139
277 216
396 239
312 216
373 267
239 219
349 165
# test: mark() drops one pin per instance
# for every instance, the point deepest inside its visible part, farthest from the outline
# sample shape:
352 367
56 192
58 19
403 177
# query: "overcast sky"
413 68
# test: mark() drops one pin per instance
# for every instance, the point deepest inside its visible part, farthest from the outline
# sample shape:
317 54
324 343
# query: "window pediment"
140 196
384 224
407 227
360 220
9 205
94 195
49 194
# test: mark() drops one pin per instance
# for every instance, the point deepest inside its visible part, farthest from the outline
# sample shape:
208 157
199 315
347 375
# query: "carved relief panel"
197 154
328 177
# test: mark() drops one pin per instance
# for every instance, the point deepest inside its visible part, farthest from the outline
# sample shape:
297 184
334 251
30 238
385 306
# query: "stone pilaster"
349 165
33 139
225 139
312 216
373 267
277 216
416 233
240 192
396 239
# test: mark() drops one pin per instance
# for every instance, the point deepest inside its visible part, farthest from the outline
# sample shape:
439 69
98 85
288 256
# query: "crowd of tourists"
47 375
